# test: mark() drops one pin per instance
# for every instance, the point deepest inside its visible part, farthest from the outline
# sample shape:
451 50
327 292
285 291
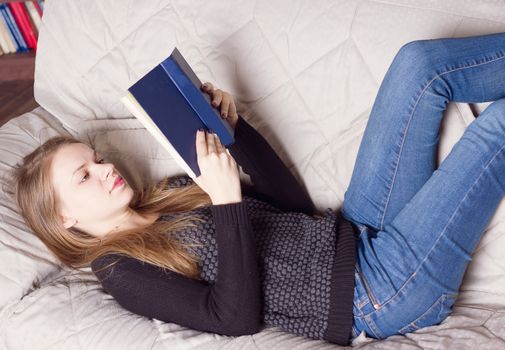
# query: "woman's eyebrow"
83 165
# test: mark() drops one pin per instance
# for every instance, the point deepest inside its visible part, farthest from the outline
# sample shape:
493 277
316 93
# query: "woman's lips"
119 182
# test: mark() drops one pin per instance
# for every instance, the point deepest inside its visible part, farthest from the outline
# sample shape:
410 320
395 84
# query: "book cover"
8 33
34 16
5 40
20 42
21 18
169 103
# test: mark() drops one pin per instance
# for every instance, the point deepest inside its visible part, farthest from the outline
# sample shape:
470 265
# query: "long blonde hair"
155 244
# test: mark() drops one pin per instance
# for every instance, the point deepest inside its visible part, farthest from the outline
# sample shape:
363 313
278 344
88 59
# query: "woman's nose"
107 170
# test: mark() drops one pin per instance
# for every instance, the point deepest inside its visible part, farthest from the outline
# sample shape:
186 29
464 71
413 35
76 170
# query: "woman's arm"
272 180
230 306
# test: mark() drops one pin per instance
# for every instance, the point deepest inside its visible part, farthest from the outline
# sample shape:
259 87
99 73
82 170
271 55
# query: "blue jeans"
418 225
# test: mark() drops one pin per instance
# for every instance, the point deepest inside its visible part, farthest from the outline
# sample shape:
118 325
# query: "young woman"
279 263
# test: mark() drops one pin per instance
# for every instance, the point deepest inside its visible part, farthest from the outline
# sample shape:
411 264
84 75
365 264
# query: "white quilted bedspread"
304 73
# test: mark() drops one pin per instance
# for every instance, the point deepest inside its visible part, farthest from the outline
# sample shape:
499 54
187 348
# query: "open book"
168 101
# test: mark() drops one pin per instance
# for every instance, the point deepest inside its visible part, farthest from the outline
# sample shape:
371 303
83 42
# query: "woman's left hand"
223 100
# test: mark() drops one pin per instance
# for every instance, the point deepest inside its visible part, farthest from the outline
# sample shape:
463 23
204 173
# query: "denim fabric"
418 225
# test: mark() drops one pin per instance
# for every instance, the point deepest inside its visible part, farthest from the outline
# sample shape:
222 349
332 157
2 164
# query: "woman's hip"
387 302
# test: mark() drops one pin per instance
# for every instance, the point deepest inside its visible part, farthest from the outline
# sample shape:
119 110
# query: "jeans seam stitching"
413 324
445 228
408 124
373 327
355 331
361 303
438 302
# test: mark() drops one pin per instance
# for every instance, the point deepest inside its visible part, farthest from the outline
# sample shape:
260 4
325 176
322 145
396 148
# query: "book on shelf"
170 104
19 25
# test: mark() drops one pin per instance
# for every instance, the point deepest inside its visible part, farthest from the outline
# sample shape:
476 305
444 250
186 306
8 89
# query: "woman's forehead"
69 158
76 148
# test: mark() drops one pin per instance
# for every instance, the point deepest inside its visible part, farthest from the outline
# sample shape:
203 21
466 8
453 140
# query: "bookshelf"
16 81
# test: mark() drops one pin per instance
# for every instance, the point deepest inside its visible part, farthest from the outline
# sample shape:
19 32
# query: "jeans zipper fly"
367 288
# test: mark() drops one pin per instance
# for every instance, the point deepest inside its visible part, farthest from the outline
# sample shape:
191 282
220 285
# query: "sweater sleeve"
272 180
229 306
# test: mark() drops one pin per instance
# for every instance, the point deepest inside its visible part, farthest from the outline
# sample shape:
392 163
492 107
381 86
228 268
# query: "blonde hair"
155 244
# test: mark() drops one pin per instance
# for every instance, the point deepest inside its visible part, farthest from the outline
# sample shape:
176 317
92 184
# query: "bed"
303 73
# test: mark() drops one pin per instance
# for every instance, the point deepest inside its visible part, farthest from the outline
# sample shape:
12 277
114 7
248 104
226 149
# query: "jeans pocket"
434 315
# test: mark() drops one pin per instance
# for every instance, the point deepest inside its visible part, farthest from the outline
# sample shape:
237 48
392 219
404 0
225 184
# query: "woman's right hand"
219 174
224 101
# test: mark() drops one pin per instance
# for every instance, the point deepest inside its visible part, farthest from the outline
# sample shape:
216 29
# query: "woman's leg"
425 250
415 263
398 151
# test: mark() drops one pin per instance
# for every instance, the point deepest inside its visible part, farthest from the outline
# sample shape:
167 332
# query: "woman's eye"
86 174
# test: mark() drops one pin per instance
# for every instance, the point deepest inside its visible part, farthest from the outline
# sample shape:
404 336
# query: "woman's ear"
67 222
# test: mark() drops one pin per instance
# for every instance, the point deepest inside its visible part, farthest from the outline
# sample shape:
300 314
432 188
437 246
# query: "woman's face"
84 183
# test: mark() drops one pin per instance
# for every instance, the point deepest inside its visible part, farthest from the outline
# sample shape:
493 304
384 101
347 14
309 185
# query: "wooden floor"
16 98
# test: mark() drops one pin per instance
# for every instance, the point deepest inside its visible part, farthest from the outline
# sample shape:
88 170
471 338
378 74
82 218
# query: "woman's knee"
415 55
495 111
490 124
497 108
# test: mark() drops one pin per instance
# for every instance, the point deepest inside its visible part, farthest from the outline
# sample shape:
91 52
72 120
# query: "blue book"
13 27
168 101
10 37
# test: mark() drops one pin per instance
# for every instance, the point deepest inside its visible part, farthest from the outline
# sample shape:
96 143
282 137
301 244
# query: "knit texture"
306 266
306 261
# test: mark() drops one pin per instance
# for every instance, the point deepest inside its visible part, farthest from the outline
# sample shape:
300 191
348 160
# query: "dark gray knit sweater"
278 263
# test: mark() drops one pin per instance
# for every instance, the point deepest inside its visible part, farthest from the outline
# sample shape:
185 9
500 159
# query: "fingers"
207 143
217 96
211 143
201 144
207 86
225 105
219 146
222 100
